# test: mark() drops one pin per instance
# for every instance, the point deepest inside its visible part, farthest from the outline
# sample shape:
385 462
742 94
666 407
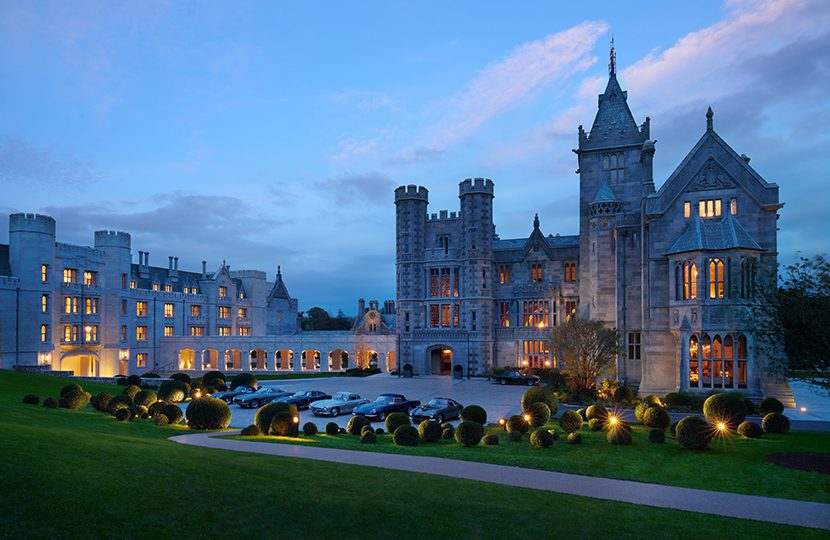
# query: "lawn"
731 464
82 474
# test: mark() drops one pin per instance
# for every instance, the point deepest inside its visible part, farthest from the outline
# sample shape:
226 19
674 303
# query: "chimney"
170 263
204 269
146 258
176 264
361 307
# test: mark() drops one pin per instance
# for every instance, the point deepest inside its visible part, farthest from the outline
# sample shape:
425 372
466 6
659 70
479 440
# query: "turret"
410 230
32 244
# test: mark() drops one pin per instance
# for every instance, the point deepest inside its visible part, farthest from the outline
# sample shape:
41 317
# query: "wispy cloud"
351 147
358 188
25 163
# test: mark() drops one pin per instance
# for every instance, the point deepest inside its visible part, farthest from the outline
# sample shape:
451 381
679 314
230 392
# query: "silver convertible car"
340 402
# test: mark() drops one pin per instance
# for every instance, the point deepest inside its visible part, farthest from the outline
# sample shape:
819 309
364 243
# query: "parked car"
340 402
515 377
438 409
264 395
386 404
302 400
229 395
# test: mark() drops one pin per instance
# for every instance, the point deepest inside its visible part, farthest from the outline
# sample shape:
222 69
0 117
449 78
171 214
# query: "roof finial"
279 273
536 221
709 123
612 64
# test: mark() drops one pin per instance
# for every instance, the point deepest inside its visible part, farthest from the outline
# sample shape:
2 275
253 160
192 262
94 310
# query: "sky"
274 133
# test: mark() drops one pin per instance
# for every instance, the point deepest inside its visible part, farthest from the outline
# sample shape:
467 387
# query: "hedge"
474 413
515 436
694 433
283 425
619 435
72 387
469 433
570 421
369 437
405 435
726 407
750 430
173 413
146 398
173 391
656 417
244 379
491 439
775 423
541 438
309 428
155 408
657 436
101 401
366 428
539 414
208 413
265 414
429 431
357 423
332 429
640 410
596 412
251 431
770 405
540 394
396 420
574 438
31 399
676 399
141 412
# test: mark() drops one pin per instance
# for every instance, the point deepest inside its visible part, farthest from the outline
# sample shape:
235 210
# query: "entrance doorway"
81 365
441 360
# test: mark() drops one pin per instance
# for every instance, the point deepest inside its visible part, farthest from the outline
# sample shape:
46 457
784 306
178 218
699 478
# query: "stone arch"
367 358
284 359
310 359
187 359
210 359
259 359
338 359
81 363
233 359
440 359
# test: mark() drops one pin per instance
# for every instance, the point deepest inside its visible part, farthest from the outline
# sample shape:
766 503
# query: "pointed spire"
279 272
709 123
612 63
536 222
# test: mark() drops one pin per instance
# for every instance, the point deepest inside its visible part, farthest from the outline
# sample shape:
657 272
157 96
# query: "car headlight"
373 411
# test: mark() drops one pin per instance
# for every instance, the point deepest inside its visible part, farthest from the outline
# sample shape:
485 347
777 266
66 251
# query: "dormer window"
687 209
733 206
223 292
155 286
710 208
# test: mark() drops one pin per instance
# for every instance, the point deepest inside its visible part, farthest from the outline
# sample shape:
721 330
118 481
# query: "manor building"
675 270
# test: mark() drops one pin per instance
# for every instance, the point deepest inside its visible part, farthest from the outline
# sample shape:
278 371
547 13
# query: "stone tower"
115 281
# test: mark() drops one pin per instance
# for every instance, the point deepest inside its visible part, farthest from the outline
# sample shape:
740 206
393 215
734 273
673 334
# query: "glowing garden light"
526 417
803 409
296 419
613 420
502 421
721 426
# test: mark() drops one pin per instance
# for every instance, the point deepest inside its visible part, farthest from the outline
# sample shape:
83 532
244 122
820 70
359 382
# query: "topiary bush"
623 393
515 436
640 410
474 413
161 420
31 399
379 431
265 414
596 412
366 428
653 400
657 418
405 435
208 413
244 379
775 423
749 406
151 376
516 423
146 398
209 377
173 413
491 439
726 407
539 414
155 408
469 433
251 431
309 428
770 405
540 394
123 414
131 390
674 400
133 380
369 437
357 423
283 425
581 412
541 438
332 429
101 401
396 420
50 403
570 421
750 430
121 401
574 438
694 433
429 431
173 391
673 428
657 436
447 434
447 425
184 377
595 424
72 387
619 435
120 380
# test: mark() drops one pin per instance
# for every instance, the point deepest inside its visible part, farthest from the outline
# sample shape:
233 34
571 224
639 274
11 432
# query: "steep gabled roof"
279 290
714 235
604 194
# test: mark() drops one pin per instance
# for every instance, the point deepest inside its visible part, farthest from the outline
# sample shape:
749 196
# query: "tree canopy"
318 318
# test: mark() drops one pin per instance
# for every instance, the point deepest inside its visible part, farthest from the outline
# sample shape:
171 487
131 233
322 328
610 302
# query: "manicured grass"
732 464
82 474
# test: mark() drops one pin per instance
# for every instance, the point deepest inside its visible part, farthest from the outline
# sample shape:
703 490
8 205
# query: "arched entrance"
259 359
310 359
187 359
440 359
233 359
81 364
284 359
367 358
210 359
338 360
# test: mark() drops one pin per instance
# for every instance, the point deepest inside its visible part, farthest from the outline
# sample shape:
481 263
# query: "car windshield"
265 390
342 396
514 374
385 399
436 404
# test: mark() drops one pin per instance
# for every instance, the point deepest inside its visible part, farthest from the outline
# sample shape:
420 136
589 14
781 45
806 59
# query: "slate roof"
5 267
159 275
519 243
714 235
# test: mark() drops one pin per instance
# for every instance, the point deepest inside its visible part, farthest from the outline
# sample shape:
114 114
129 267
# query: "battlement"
115 239
472 186
31 223
411 193
252 274
443 215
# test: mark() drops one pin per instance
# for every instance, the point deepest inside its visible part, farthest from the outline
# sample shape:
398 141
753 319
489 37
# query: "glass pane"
693 374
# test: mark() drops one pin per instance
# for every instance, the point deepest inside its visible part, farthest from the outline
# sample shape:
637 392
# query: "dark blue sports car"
386 404
228 395
302 400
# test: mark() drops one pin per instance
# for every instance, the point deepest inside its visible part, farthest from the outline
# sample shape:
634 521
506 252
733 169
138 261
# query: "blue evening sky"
268 133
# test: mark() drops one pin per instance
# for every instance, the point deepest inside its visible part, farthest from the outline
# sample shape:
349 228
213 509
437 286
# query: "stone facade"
470 301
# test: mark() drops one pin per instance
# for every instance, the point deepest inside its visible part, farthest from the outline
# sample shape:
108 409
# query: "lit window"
244 331
536 354
123 332
67 332
504 274
90 278
197 330
44 303
224 330
689 280
716 279
241 295
223 292
141 309
434 316
44 333
536 272
504 314
570 310
195 310
70 275
168 310
141 333
133 284
687 209
634 346
242 313
91 333
733 206
169 330
709 208
168 288
570 271
224 312
44 273
141 360
90 306
536 313
155 286
186 290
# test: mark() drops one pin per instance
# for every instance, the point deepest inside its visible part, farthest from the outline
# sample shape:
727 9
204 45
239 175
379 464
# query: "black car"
385 404
438 409
302 400
514 377
228 395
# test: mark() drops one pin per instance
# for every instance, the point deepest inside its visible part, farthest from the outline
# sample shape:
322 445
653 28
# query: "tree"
318 318
588 348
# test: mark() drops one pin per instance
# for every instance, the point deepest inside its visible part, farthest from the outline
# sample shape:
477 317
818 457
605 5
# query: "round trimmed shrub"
640 410
244 379
161 420
208 413
141 412
474 413
491 439
155 408
595 424
775 423
673 428
618 435
750 430
251 431
570 421
219 385
121 401
133 380
405 435
515 436
184 377
120 380
50 403
623 393
282 425
309 428
469 433
770 405
657 417
341 431
332 429
379 431
265 414
131 390
396 420
596 412
555 433
146 398
694 433
72 387
369 437
31 399
357 423
674 400
516 423
653 400
541 438
581 412
447 433
173 391
101 401
657 436
366 428
540 394
726 407
151 376
122 415
539 414
173 413
429 431
211 376
749 406
574 438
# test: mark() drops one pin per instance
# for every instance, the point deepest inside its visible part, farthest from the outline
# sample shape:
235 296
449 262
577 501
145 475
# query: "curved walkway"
784 511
